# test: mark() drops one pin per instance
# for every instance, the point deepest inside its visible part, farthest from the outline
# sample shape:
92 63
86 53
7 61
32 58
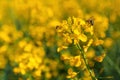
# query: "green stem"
86 62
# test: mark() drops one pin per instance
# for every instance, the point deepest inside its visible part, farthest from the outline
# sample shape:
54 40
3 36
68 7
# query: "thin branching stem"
86 62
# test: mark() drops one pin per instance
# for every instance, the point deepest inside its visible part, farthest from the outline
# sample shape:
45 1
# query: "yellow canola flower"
82 22
75 61
3 62
16 70
8 33
75 30
37 73
88 45
4 36
22 65
61 48
28 47
100 58
32 63
68 39
3 48
98 42
65 57
108 42
82 37
89 29
48 75
22 43
71 73
90 53
23 71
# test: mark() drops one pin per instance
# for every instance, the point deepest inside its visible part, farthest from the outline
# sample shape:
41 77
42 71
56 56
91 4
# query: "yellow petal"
61 48
83 37
76 31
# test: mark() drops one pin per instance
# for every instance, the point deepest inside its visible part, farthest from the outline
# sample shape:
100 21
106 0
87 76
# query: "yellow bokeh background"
29 42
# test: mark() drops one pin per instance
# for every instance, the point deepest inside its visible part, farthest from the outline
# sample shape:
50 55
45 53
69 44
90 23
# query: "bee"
91 20
57 27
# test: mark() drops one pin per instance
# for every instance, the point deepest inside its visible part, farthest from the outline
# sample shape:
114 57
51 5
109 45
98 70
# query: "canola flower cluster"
24 55
82 34
29 44
24 41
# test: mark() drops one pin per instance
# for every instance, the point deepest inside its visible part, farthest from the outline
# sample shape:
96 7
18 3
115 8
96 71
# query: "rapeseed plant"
80 33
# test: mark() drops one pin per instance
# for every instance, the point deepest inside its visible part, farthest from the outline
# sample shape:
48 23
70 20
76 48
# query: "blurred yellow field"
59 40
